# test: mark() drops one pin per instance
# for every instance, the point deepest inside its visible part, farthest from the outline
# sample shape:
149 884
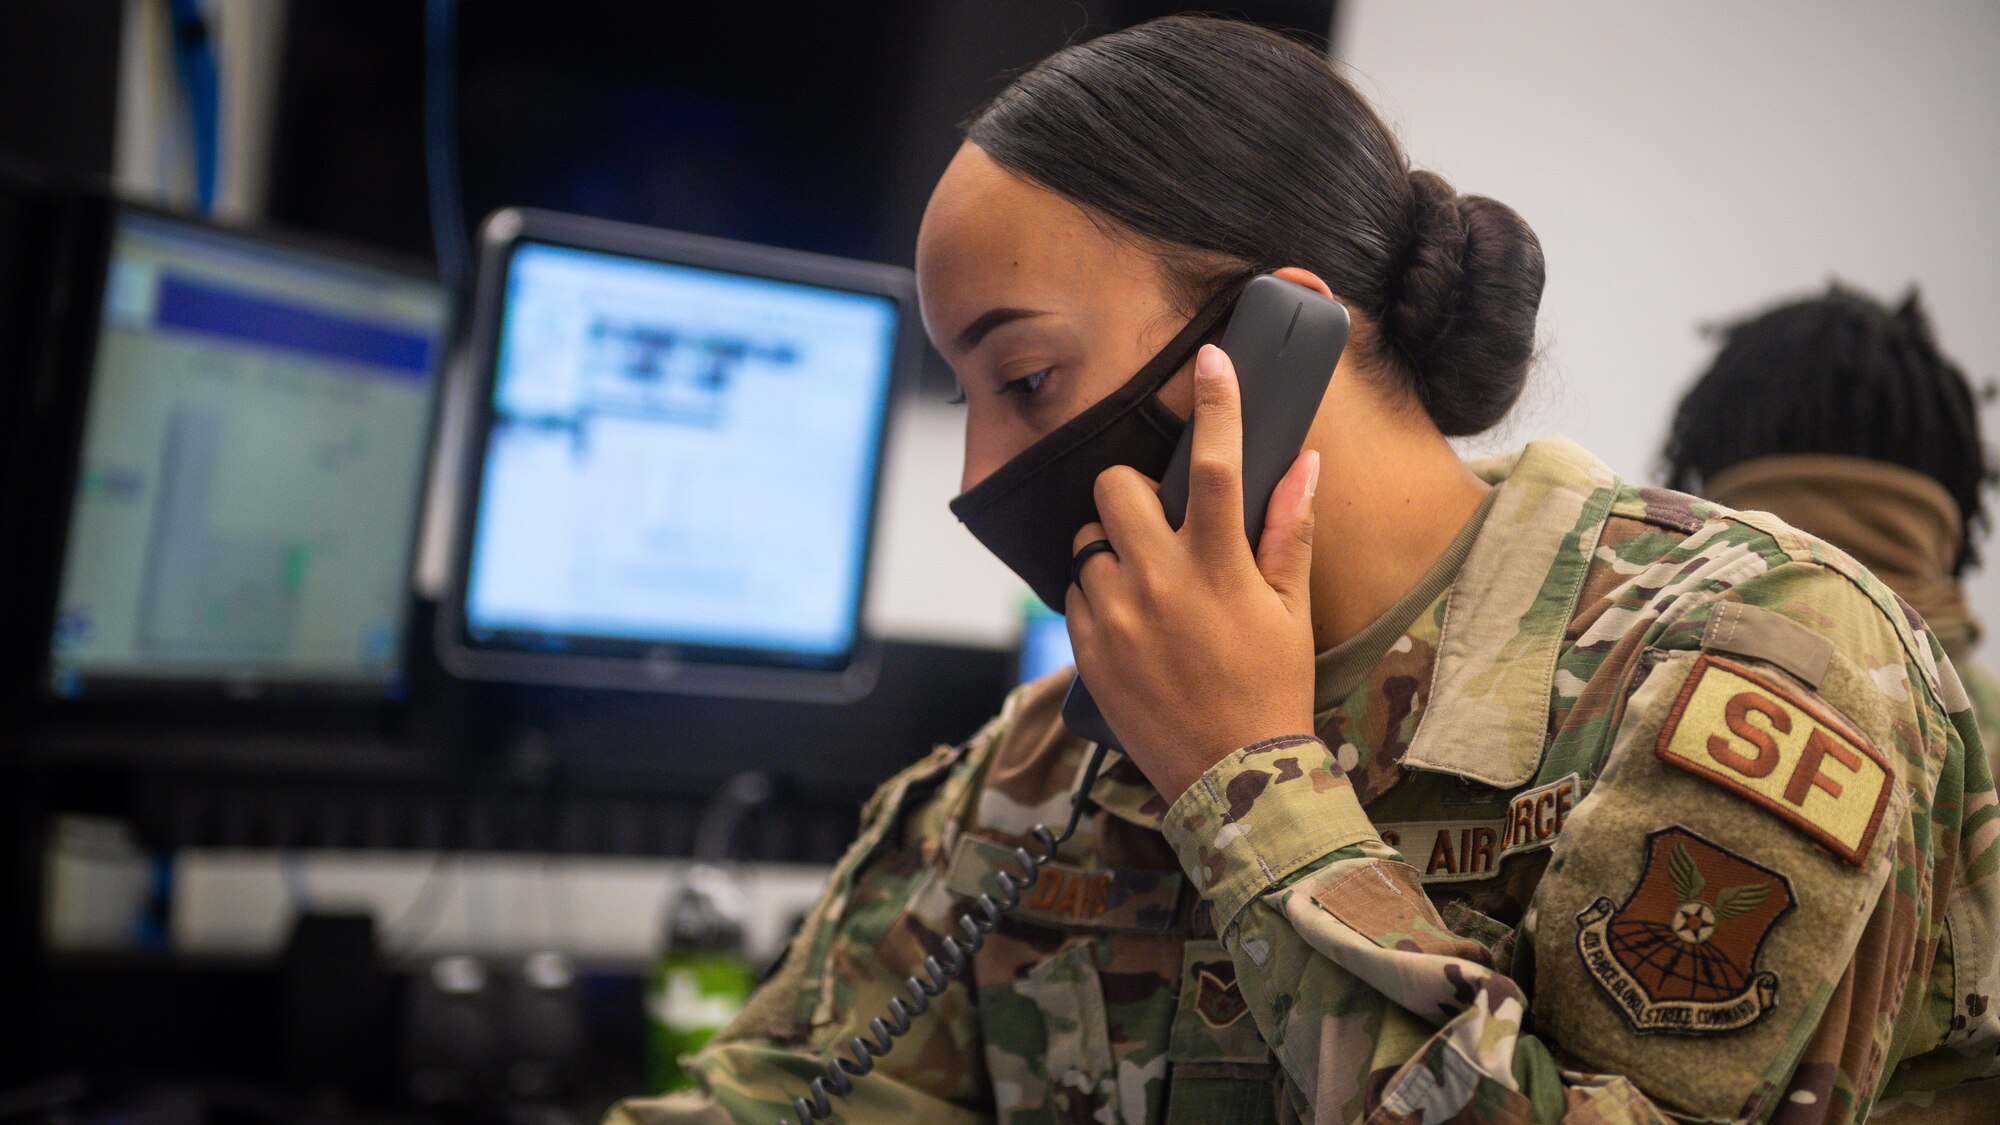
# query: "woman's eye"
1026 384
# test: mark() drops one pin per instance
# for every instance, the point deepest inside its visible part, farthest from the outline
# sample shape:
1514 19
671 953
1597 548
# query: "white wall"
605 909
1686 162
932 580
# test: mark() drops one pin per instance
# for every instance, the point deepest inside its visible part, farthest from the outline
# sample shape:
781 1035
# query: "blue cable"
195 66
447 205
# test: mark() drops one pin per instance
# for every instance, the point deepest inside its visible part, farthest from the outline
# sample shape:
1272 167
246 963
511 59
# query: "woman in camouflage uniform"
1499 792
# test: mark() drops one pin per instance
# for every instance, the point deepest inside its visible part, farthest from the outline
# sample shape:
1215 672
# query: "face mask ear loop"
1080 429
1210 318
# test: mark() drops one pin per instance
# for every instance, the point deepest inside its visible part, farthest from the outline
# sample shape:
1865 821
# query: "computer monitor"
1045 643
674 459
247 470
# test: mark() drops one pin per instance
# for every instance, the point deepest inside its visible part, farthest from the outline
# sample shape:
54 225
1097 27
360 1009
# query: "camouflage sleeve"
883 906
1725 946
1374 1008
1984 693
1951 1069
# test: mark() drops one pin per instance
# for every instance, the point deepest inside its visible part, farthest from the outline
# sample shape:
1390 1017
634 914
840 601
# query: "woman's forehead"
992 239
980 210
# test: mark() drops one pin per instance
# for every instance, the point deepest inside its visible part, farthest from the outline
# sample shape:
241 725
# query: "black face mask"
1028 511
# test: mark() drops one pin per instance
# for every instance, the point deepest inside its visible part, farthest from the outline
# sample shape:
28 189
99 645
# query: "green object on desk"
701 979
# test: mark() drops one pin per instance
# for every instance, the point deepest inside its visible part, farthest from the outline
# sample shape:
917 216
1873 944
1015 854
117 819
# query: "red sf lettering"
1737 714
1808 776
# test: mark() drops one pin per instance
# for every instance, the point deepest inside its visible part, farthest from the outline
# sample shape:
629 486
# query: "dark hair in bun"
1233 150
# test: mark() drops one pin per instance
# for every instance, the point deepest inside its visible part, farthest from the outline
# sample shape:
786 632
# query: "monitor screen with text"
678 458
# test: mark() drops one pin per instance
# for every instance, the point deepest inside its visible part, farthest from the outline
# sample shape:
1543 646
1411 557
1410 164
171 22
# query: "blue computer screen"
1045 645
677 456
252 462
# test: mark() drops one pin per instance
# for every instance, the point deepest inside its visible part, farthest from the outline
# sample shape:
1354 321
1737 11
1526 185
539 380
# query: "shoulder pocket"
1763 737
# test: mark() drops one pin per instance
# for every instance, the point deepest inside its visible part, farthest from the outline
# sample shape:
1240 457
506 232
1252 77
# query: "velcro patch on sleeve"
1770 636
1761 740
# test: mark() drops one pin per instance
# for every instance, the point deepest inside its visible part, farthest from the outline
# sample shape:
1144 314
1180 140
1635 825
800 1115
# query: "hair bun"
1460 311
1425 295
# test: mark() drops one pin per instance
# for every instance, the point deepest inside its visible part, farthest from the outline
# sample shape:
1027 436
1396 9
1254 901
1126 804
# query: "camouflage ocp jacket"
1659 812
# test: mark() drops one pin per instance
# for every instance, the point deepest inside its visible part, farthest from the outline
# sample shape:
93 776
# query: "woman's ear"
1298 275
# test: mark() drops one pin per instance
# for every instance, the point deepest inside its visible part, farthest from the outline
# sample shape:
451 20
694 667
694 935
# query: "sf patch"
1680 956
1763 742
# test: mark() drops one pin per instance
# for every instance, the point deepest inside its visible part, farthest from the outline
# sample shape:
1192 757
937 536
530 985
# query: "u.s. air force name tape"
1456 851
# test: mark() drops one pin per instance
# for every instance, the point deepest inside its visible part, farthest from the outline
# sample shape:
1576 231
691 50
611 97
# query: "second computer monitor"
675 459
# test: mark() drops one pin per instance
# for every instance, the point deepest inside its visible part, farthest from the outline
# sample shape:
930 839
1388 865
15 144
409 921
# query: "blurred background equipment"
335 1000
1045 646
703 974
261 855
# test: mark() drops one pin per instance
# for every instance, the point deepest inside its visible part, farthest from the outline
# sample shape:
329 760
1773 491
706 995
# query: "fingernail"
1208 362
1312 472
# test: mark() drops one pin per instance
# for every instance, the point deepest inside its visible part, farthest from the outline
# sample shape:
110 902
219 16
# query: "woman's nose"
980 461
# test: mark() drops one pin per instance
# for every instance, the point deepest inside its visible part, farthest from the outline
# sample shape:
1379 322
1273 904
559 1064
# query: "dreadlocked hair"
1839 374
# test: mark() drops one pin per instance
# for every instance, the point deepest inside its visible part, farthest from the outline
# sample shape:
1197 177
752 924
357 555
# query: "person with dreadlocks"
1868 438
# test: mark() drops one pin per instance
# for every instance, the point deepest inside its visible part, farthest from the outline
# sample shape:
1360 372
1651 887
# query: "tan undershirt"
1339 670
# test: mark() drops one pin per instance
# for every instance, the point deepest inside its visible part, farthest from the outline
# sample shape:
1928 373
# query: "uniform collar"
1505 618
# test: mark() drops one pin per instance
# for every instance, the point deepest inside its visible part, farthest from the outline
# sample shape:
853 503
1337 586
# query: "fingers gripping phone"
1284 340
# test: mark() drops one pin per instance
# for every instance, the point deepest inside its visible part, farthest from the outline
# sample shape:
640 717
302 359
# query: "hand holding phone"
1284 341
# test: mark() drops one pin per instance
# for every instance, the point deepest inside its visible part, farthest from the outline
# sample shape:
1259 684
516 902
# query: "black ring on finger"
1095 546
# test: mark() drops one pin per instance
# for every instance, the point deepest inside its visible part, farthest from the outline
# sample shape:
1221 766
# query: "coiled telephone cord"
937 972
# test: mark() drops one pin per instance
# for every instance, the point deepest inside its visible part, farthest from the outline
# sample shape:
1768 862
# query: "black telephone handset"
1284 340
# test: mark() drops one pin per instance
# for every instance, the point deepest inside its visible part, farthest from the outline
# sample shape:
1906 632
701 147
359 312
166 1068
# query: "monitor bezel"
633 665
61 419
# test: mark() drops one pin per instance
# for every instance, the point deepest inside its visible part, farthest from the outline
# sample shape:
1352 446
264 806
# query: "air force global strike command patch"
1680 956
1768 744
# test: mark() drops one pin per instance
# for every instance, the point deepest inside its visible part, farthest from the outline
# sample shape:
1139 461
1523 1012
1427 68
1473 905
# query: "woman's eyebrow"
988 321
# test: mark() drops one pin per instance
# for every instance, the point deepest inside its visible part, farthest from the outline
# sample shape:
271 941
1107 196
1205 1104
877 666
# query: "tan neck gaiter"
1895 521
